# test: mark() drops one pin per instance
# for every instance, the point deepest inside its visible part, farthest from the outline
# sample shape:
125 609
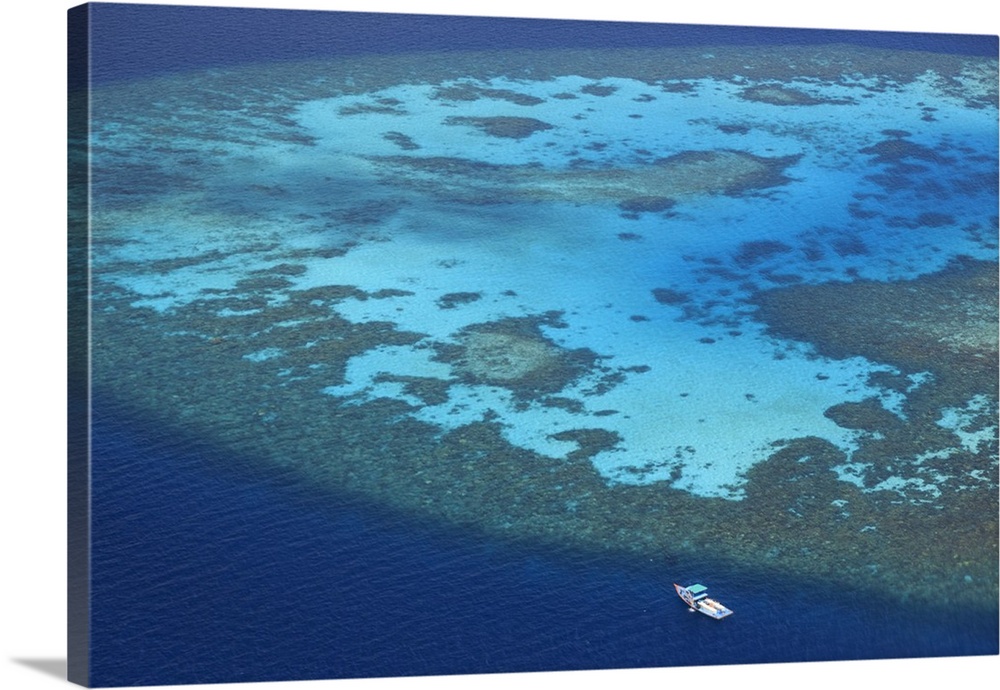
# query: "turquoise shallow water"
724 311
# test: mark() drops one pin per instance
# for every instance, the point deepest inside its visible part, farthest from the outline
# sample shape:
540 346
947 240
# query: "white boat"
696 597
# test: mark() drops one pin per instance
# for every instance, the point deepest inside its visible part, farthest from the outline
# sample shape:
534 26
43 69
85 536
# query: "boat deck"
697 599
714 608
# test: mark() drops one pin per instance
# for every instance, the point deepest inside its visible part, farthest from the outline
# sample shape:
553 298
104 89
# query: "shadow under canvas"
50 667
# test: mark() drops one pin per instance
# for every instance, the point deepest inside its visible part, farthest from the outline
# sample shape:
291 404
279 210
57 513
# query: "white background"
32 334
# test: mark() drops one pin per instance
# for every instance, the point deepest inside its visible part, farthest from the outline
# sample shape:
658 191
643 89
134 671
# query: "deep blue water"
131 41
208 574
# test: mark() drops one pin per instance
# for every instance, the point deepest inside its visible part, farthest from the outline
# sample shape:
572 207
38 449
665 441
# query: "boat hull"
696 597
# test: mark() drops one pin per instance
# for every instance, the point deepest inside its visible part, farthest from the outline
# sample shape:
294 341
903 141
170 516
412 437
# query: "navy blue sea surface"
138 40
210 567
201 575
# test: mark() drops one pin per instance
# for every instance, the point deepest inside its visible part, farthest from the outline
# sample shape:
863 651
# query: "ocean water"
208 577
442 354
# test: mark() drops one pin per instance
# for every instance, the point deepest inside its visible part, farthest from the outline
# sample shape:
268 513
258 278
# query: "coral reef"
514 354
776 94
503 127
251 380
503 358
945 323
652 186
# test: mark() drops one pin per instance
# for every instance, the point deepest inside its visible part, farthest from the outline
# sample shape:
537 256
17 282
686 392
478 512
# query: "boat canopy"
697 589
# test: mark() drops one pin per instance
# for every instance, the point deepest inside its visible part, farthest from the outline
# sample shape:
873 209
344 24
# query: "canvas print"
408 345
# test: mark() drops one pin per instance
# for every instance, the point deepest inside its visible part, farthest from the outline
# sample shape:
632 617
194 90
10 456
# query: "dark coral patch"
385 107
401 140
933 219
860 212
468 92
849 245
647 204
590 441
504 127
446 165
599 89
900 150
430 391
783 95
944 323
455 299
515 354
930 219
866 415
263 282
668 296
285 269
755 252
678 87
